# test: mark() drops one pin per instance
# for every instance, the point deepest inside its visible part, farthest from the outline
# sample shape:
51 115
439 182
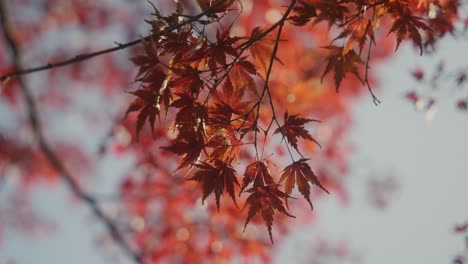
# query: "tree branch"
86 56
49 153
268 74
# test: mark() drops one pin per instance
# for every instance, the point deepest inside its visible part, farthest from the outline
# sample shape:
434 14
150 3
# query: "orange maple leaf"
341 63
216 179
257 172
262 50
266 200
293 129
299 173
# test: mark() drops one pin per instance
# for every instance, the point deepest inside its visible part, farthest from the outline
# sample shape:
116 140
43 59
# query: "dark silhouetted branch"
49 153
86 56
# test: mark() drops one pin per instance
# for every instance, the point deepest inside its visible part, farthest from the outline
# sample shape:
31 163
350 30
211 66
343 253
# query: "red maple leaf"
257 172
342 63
147 104
300 174
153 93
405 25
225 145
215 179
329 10
231 96
304 12
293 128
357 32
262 50
188 144
266 200
191 114
224 45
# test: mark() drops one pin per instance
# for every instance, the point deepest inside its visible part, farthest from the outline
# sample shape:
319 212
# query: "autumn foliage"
228 107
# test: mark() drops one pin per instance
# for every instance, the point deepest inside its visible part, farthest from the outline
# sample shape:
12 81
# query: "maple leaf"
293 128
406 25
241 77
341 63
219 116
257 172
153 93
329 10
231 96
262 49
189 144
215 179
357 31
186 79
191 115
224 45
304 12
300 174
225 145
176 42
146 103
148 60
266 200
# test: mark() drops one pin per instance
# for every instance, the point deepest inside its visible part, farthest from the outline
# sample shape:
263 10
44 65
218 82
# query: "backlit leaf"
300 174
215 179
265 200
293 129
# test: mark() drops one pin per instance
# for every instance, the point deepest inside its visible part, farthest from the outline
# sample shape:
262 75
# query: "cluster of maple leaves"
210 85
218 88
215 90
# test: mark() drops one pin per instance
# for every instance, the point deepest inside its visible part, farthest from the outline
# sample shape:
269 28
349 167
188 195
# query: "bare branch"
86 56
50 154
366 74
275 50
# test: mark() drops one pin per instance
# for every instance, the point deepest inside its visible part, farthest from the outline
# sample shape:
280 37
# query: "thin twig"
49 153
86 56
366 74
268 74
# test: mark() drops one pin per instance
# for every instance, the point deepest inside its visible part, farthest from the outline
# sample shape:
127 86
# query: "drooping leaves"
357 31
262 50
191 114
153 94
215 179
232 97
188 144
147 103
330 11
341 63
224 45
226 146
258 173
194 67
211 87
265 200
304 12
300 174
406 25
293 129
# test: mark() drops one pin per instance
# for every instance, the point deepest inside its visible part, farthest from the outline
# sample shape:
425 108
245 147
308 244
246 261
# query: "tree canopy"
234 111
